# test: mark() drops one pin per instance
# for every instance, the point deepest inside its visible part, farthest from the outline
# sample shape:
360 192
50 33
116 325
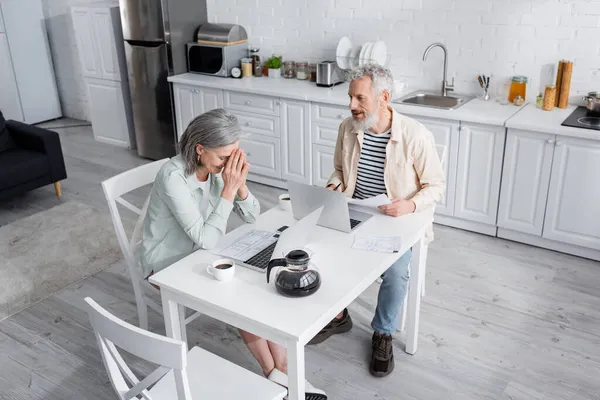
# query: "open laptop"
252 248
336 214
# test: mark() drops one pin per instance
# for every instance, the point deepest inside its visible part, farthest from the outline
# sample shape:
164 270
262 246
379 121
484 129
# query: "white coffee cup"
222 269
284 202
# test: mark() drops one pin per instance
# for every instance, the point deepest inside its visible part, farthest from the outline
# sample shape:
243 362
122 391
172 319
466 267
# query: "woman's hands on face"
234 175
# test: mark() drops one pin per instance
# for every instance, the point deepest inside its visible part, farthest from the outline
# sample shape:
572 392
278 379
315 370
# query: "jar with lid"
518 87
313 72
289 69
549 98
246 67
302 71
255 56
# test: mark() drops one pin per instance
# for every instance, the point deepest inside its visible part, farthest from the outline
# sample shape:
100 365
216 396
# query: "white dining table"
248 302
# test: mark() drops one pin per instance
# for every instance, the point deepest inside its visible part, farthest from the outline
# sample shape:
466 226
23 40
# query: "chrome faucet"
446 87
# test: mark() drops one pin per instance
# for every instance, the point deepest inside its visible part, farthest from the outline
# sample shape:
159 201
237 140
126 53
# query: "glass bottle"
255 56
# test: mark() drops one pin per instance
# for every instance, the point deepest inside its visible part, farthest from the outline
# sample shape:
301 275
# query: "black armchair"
30 157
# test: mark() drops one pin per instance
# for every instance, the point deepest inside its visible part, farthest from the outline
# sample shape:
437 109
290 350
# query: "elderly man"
379 151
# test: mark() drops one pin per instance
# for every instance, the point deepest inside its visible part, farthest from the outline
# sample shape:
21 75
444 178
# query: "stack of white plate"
349 56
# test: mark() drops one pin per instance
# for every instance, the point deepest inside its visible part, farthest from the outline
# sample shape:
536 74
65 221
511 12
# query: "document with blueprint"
378 244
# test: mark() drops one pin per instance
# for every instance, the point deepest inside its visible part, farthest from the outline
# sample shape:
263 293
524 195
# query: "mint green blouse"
185 214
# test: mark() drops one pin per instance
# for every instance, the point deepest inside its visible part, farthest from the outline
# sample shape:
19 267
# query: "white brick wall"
61 36
499 37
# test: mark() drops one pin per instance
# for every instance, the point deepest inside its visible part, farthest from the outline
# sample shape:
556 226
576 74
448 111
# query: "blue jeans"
391 295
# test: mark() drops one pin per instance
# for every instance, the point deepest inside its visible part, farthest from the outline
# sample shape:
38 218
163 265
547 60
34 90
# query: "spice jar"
518 87
246 67
302 71
549 98
289 69
313 72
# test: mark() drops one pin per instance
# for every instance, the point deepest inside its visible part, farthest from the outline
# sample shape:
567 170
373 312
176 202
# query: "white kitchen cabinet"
86 46
253 103
573 209
10 103
103 27
325 123
295 141
322 161
445 133
99 38
191 102
525 180
264 154
96 42
28 91
109 120
480 153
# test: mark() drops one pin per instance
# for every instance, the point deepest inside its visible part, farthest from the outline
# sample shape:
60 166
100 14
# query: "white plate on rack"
364 54
354 56
342 52
378 52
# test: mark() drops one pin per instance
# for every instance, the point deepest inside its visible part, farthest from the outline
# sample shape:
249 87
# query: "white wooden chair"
114 188
181 375
441 150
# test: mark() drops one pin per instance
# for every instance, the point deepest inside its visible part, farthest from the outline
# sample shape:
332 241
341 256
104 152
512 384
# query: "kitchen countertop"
534 119
475 111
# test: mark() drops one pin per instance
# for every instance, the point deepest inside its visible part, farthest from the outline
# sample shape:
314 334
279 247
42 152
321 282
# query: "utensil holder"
486 95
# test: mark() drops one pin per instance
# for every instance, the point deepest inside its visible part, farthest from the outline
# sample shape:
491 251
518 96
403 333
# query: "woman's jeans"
391 295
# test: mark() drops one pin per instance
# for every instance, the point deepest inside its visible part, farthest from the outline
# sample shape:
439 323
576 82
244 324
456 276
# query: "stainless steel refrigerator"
155 34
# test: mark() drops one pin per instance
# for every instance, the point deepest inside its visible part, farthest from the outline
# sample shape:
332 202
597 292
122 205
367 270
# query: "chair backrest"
116 187
441 150
113 334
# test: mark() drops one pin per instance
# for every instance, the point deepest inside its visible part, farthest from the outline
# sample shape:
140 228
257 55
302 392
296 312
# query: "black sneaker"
382 360
342 325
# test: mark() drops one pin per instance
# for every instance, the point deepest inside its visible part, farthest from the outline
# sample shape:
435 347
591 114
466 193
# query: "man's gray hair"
213 129
382 77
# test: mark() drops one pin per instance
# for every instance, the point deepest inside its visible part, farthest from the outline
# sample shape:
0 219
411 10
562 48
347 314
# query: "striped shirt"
369 177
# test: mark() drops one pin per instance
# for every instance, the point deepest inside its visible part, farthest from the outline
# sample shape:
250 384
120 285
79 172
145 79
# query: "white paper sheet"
379 244
372 202
249 244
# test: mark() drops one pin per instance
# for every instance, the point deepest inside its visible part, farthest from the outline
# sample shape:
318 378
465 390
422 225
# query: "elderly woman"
190 203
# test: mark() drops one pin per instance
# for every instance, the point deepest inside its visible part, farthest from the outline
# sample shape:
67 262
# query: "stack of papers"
379 244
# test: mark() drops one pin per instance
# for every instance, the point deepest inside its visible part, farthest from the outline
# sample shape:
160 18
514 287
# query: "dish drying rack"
349 56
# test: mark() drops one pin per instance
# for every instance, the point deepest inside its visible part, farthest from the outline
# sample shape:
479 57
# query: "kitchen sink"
426 99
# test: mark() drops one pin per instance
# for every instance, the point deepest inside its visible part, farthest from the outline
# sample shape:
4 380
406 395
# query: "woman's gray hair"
213 129
382 77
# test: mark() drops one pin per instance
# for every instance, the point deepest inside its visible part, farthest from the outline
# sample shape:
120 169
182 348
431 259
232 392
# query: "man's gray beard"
370 120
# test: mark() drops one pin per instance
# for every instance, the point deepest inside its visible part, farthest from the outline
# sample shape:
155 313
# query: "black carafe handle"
278 262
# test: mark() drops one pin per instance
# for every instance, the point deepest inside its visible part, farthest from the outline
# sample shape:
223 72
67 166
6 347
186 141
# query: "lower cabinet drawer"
258 124
263 154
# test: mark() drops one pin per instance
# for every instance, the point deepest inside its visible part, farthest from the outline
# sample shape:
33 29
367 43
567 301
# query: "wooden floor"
500 320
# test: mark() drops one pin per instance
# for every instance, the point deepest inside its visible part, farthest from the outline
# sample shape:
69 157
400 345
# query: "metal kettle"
296 276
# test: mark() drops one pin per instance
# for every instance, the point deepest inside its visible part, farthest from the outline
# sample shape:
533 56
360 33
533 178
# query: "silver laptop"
252 248
337 214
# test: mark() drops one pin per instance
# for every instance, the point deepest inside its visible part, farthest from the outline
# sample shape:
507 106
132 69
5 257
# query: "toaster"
329 74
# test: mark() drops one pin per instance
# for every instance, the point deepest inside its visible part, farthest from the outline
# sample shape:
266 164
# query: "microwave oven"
215 59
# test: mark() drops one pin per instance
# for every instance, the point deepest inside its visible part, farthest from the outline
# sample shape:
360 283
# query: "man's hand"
337 188
398 207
